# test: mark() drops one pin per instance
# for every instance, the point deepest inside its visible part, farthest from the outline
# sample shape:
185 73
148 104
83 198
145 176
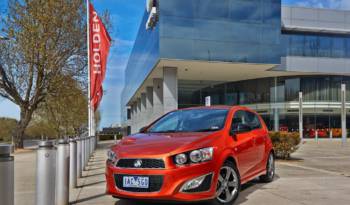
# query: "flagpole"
88 57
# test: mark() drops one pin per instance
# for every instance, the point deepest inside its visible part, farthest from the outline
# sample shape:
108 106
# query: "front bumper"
172 181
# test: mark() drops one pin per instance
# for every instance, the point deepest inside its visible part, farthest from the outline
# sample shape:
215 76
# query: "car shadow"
246 190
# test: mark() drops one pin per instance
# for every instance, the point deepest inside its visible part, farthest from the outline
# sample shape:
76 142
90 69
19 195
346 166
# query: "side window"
239 118
246 118
253 120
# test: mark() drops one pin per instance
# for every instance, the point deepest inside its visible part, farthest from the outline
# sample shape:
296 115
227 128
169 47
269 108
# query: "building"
256 53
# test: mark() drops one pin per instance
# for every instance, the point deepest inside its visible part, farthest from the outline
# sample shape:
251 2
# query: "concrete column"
144 120
301 127
276 118
157 98
343 113
149 104
132 115
170 89
138 123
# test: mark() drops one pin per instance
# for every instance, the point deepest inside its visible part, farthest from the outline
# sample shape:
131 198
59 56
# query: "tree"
65 109
7 125
47 43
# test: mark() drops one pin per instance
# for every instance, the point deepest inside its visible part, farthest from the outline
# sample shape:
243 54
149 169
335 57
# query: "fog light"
193 184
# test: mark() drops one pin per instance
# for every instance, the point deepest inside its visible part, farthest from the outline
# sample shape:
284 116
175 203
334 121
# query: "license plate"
135 182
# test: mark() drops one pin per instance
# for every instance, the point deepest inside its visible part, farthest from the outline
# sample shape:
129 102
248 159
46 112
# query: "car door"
260 135
244 146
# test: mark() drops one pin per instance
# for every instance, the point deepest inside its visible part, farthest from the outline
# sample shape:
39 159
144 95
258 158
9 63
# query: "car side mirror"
143 130
239 129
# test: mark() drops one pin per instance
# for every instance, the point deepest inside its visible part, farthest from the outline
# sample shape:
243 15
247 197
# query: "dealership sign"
151 7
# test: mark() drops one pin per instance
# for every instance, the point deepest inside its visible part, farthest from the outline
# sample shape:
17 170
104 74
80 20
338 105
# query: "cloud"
331 4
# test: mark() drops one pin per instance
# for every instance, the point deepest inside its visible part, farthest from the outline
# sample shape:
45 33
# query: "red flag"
100 42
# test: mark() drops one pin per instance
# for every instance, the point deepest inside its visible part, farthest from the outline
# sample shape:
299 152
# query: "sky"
126 16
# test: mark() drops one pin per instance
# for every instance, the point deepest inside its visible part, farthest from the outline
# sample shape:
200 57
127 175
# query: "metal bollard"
62 173
87 150
86 153
79 166
73 163
92 145
45 173
89 147
83 153
6 175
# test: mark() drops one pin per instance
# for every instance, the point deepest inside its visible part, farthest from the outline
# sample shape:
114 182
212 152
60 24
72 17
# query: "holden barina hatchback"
194 154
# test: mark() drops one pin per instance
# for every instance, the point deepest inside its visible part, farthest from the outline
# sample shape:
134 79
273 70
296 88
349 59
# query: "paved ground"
319 174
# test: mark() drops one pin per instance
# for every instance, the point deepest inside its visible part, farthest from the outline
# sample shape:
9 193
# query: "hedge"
285 143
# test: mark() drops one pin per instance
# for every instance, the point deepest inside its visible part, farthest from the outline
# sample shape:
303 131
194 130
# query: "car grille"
155 183
146 163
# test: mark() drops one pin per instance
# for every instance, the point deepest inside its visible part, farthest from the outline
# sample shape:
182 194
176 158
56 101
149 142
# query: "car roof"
224 107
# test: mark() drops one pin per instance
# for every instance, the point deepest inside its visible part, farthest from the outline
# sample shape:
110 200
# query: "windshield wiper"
207 130
165 131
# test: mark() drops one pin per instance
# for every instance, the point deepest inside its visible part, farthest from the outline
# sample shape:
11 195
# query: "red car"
194 154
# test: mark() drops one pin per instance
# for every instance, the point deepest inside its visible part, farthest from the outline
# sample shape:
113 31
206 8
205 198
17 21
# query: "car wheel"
270 170
228 185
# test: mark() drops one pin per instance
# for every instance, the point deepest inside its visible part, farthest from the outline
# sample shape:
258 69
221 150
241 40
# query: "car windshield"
193 120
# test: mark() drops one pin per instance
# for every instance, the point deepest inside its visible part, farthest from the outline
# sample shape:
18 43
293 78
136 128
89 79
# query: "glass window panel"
246 11
212 9
311 45
338 48
180 8
297 45
292 87
325 47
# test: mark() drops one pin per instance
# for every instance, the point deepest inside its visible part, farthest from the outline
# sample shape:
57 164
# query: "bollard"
89 147
6 175
73 163
79 174
62 173
83 153
87 150
331 134
92 145
316 136
45 173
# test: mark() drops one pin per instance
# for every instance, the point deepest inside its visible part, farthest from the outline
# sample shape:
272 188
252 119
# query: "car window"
193 120
239 118
246 118
253 120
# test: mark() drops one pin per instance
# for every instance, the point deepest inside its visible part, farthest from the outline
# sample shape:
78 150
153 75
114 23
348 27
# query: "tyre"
228 185
270 170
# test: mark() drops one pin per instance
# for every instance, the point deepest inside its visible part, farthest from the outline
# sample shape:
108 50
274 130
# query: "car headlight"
195 156
181 159
111 156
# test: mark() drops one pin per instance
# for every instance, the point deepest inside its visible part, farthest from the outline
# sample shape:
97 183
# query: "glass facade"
245 31
316 45
314 88
320 93
225 30
143 58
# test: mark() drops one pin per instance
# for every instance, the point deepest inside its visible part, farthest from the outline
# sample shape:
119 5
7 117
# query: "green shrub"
110 137
285 143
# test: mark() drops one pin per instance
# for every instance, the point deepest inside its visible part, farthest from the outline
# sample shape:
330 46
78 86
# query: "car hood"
153 144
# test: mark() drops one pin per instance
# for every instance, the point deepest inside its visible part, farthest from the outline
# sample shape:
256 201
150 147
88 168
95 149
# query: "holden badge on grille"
138 163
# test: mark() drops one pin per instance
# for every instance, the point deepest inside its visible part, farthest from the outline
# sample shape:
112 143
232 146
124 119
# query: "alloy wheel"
228 185
271 166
